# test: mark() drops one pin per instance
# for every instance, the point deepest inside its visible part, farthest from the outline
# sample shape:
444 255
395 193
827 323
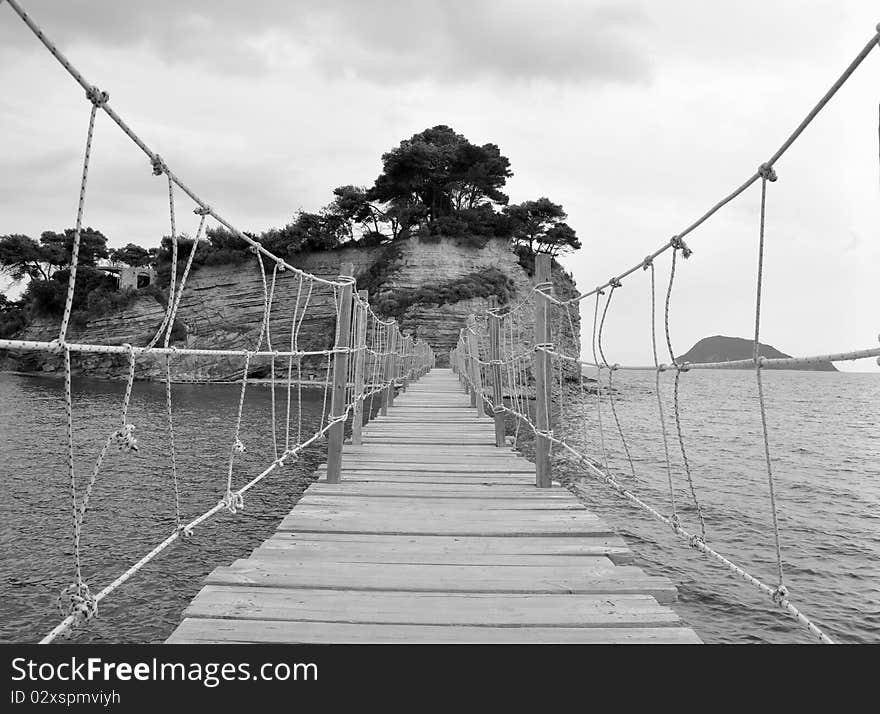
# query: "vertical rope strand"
657 389
679 245
77 231
611 368
760 278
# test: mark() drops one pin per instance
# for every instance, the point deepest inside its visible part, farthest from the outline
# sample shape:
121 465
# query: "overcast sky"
636 116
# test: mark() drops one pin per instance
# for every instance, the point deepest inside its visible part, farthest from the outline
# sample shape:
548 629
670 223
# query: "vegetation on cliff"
436 183
481 283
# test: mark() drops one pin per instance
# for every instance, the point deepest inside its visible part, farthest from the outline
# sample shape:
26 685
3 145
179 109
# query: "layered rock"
222 308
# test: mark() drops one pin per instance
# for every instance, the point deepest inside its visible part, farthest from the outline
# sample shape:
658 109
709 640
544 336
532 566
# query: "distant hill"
721 349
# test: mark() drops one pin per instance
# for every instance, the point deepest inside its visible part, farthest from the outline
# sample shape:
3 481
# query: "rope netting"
512 359
368 359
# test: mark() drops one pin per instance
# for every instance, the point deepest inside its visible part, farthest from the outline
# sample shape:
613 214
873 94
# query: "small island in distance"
722 349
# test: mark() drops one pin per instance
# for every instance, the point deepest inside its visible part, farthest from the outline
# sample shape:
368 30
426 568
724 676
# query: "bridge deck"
435 535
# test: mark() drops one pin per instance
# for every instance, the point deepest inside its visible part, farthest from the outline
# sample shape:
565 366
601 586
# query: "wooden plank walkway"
435 535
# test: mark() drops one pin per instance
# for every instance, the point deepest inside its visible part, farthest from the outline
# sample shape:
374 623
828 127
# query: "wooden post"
476 379
405 361
388 371
360 333
542 366
340 378
495 356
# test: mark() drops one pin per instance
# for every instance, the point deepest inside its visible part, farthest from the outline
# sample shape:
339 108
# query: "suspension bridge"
426 526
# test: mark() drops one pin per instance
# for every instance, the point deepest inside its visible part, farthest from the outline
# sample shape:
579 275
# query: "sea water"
824 439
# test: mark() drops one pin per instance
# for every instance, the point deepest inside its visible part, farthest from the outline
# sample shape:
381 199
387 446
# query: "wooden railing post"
388 371
360 332
495 356
476 379
405 361
542 366
340 376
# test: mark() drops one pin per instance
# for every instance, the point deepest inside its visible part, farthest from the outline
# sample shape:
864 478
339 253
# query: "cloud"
384 41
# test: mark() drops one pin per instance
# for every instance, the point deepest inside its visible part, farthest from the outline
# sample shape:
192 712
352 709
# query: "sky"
635 116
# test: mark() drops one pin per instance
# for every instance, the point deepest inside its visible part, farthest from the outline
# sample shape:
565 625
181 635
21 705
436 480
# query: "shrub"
46 297
13 317
482 283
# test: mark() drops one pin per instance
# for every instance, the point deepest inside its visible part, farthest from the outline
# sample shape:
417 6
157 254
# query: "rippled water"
825 443
824 435
132 507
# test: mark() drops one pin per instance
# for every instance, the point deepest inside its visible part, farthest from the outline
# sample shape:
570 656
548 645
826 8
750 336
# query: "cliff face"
722 349
222 307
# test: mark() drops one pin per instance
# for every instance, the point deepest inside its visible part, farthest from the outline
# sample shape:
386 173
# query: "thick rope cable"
694 541
789 141
158 163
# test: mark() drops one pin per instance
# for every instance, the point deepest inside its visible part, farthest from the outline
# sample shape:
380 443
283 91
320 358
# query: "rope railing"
521 361
406 359
370 357
766 362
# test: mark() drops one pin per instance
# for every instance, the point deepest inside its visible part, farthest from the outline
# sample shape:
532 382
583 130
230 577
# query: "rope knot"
647 262
97 97
696 541
675 521
682 366
159 166
56 346
184 531
662 367
766 172
678 243
77 600
779 594
238 447
234 502
124 438
202 210
614 283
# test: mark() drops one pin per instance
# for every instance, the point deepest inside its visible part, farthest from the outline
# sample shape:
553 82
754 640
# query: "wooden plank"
202 631
597 576
435 534
404 548
509 524
353 553
369 503
419 489
246 603
368 489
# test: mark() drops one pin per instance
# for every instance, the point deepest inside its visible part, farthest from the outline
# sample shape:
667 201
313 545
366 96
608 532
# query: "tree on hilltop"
441 171
540 226
133 255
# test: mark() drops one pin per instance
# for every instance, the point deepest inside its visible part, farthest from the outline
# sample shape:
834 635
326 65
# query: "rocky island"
720 348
